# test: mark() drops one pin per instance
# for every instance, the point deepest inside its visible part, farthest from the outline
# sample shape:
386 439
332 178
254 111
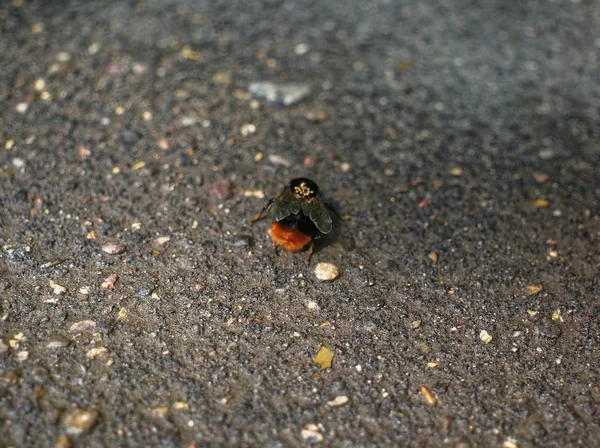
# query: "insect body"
298 216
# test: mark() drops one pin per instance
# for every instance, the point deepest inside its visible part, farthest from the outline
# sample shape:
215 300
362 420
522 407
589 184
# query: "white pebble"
57 344
161 240
22 108
188 120
113 248
97 352
311 432
63 56
301 49
338 401
248 129
83 326
18 162
485 336
58 289
326 271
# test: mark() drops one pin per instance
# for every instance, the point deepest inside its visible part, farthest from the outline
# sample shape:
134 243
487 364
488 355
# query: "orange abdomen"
289 238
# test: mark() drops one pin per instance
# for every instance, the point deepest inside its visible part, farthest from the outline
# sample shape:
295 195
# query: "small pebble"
188 120
94 48
84 152
276 159
248 129
312 305
254 193
163 144
17 339
324 357
180 405
63 56
456 171
338 401
160 411
485 336
532 290
37 27
416 324
286 94
540 203
301 49
39 85
161 240
140 68
326 271
433 256
109 282
112 248
23 355
188 53
94 353
63 442
58 289
22 107
83 326
3 347
223 78
311 433
57 343
18 162
431 399
79 422
309 161
122 316
221 189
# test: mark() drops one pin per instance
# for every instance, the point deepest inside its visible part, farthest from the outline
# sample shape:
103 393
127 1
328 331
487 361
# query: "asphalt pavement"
460 143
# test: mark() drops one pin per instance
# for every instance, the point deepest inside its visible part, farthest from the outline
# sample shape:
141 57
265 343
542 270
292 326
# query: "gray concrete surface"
461 138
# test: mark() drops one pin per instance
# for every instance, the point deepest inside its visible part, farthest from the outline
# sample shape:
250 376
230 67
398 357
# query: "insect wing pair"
290 202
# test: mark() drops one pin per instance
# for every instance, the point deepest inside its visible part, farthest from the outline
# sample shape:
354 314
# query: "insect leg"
310 251
261 215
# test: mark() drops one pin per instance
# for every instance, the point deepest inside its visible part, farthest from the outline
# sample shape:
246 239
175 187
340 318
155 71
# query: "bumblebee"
299 216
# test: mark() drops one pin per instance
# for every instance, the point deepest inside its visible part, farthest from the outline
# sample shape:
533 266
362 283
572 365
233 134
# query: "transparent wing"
318 214
285 205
